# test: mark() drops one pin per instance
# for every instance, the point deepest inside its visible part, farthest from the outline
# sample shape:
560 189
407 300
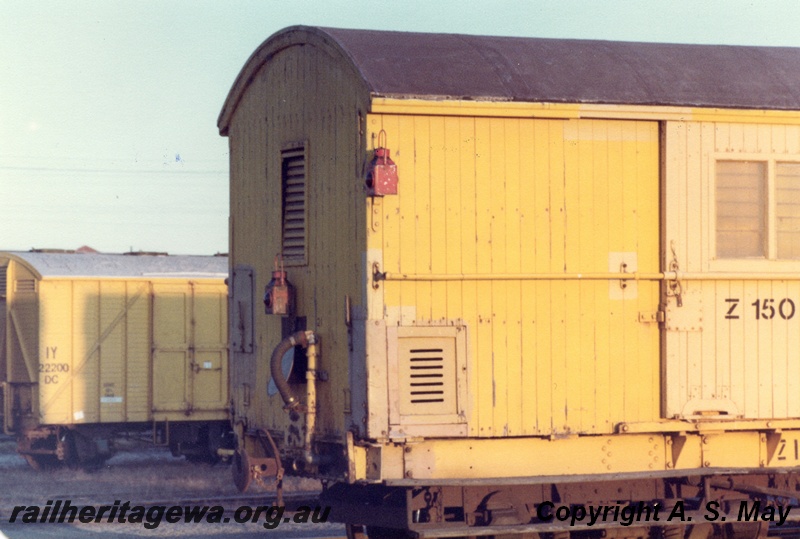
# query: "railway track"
292 501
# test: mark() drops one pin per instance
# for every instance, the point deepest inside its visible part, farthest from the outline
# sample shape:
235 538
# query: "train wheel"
47 459
240 468
66 450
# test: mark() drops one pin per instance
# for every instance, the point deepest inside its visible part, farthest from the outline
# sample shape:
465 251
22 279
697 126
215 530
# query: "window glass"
787 209
741 209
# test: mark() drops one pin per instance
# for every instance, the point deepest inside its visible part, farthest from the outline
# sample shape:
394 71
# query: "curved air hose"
301 338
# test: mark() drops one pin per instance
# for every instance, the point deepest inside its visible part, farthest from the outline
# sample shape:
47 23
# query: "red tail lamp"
381 171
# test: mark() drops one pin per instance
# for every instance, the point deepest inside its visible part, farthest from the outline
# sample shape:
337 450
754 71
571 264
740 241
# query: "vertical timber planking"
469 250
497 309
454 217
438 192
514 357
577 147
742 360
480 205
543 246
599 239
483 356
590 159
528 289
408 215
556 312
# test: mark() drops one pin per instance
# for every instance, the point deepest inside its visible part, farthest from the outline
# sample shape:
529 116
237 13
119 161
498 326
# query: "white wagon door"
732 228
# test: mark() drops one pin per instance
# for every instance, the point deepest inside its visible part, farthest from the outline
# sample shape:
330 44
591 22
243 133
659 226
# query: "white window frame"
771 263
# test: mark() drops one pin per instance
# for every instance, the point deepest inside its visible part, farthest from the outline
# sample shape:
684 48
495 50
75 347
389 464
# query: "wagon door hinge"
623 268
652 317
674 286
377 275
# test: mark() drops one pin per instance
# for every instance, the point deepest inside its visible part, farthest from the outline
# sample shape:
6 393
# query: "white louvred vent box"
427 379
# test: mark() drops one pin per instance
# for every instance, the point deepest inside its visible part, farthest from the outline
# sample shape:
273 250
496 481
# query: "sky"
108 109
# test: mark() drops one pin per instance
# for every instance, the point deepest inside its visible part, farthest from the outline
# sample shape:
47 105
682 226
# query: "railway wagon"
94 345
510 281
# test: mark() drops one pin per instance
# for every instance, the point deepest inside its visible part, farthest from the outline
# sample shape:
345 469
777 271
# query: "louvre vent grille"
427 376
25 285
293 178
427 373
3 281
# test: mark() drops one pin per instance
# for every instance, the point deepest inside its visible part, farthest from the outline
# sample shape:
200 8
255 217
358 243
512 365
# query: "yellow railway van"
97 344
495 287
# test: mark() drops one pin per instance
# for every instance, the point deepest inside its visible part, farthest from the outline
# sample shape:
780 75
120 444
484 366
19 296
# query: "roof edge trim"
277 42
24 263
539 109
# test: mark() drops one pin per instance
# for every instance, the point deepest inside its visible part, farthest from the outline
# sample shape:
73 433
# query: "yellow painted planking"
514 154
556 316
112 354
469 253
600 245
646 217
623 175
527 293
542 246
619 368
588 258
467 190
407 206
496 305
437 204
390 206
422 218
453 217
101 357
138 349
56 345
482 355
576 153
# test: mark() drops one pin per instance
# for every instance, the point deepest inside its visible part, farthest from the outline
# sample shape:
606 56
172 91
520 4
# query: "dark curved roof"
573 71
454 66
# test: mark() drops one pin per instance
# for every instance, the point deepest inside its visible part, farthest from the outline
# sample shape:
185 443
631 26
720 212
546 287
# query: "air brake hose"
301 338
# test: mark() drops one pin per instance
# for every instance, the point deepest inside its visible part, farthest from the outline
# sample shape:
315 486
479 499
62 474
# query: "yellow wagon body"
127 342
587 275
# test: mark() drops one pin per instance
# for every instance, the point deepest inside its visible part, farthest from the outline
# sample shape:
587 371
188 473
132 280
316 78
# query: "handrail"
594 276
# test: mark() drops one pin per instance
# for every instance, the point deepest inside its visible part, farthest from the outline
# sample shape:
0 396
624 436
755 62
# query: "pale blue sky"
108 109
